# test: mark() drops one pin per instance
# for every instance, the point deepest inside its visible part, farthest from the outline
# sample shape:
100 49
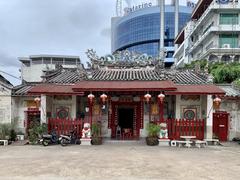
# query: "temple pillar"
161 111
91 112
209 120
43 108
74 106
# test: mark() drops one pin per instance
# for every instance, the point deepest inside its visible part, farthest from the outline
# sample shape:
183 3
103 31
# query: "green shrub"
36 130
153 130
5 131
13 135
96 130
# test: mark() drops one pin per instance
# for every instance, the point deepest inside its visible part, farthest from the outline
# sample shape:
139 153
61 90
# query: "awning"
124 86
206 89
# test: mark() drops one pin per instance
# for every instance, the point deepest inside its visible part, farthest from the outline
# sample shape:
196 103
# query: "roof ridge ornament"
123 59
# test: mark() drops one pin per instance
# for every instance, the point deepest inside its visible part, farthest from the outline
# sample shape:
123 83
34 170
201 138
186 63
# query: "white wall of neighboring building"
33 67
19 106
5 104
202 39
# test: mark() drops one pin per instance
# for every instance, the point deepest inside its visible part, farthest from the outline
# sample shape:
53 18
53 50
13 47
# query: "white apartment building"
33 67
212 34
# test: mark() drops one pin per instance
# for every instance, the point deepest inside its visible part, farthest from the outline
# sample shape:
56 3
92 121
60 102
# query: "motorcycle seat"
64 136
46 136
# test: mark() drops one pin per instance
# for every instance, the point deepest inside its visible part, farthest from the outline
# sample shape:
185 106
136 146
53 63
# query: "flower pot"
96 140
152 141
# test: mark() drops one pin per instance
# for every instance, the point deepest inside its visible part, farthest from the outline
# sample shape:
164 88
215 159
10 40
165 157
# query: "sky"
56 27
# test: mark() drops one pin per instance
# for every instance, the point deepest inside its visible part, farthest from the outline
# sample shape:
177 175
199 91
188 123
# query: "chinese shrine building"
126 91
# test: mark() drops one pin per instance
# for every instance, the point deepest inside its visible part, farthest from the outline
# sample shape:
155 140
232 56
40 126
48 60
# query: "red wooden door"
220 125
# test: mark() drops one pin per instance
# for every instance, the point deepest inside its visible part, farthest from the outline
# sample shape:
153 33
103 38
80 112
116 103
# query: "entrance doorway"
125 121
32 115
128 116
220 125
125 118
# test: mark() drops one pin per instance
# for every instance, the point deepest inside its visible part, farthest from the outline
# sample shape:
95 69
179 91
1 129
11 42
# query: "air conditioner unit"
226 46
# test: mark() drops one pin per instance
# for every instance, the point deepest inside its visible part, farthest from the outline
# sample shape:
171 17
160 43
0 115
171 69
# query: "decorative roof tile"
67 76
230 91
5 81
22 90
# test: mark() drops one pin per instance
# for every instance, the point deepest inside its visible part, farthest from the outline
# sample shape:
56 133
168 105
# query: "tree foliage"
222 72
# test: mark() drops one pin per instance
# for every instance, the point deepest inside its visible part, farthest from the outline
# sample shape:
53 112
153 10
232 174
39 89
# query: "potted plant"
153 132
96 134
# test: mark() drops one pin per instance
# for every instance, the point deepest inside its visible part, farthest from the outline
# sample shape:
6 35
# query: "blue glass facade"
140 31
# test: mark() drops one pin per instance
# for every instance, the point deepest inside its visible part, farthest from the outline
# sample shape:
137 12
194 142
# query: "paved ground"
118 162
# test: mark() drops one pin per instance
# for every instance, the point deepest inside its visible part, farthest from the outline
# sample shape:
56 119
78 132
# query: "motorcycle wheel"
45 143
64 142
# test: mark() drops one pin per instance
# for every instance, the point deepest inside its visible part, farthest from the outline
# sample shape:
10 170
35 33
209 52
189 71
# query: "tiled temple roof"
67 76
148 74
5 81
189 77
22 90
230 90
142 74
73 76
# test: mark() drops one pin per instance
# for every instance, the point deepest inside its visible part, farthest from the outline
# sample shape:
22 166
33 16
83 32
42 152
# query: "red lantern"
217 101
147 97
103 97
161 97
37 100
91 97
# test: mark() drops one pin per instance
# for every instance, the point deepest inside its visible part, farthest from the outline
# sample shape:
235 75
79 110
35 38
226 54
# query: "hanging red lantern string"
161 97
147 97
91 97
103 98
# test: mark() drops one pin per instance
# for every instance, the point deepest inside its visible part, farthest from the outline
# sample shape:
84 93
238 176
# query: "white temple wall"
67 103
193 102
233 108
5 104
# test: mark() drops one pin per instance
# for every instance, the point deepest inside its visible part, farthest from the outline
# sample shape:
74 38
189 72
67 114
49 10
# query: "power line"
10 75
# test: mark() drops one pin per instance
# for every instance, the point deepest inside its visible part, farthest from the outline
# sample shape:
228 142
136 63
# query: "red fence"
183 127
64 126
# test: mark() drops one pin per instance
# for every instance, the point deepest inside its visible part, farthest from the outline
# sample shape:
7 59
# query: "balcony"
215 6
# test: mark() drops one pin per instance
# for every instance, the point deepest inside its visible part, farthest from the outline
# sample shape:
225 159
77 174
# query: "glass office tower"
139 31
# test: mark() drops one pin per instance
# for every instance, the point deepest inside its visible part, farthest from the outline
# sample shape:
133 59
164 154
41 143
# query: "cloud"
7 60
106 32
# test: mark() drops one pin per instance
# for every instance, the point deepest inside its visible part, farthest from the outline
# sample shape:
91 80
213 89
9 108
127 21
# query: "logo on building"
128 10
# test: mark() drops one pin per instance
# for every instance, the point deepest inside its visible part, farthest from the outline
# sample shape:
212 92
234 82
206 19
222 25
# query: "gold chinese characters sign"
154 109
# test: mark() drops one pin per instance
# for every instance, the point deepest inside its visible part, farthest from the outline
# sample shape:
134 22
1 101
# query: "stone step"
122 142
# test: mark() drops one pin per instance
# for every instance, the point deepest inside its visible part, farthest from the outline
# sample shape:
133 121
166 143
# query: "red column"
90 112
161 112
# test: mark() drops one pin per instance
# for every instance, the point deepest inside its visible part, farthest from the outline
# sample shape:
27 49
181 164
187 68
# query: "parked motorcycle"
69 139
49 138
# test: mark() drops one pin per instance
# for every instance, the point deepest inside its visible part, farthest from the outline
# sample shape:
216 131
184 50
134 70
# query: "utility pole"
176 21
162 29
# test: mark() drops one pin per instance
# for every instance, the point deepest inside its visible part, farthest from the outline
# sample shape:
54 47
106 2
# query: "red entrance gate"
220 125
137 119
32 114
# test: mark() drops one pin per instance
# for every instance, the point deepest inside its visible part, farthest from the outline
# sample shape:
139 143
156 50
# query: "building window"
228 40
228 18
